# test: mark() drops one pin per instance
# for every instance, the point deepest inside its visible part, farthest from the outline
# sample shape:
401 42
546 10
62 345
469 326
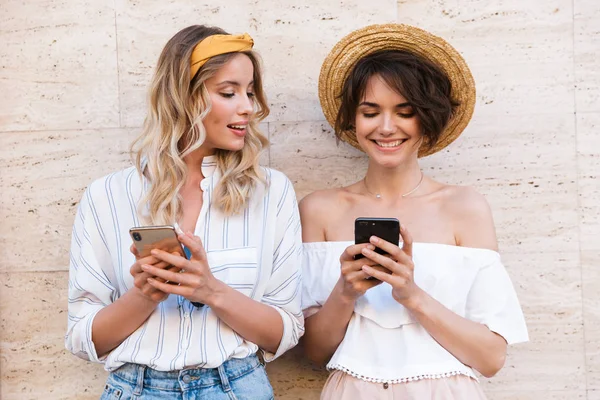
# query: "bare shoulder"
316 209
465 199
472 217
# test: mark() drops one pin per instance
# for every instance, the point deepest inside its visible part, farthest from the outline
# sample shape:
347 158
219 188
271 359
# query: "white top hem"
400 379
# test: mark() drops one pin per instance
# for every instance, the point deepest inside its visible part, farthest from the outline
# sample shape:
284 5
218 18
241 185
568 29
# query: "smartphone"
387 229
162 237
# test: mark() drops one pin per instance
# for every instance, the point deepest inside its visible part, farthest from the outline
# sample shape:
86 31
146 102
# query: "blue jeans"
235 379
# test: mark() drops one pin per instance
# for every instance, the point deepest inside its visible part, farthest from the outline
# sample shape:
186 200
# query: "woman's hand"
140 277
195 282
354 279
400 265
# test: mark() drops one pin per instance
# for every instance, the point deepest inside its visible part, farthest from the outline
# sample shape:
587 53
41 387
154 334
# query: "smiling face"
231 92
387 127
383 91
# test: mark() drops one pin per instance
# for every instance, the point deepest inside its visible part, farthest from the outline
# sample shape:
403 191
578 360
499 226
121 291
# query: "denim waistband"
142 376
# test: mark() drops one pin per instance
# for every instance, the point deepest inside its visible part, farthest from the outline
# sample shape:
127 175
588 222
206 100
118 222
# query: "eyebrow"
232 83
375 105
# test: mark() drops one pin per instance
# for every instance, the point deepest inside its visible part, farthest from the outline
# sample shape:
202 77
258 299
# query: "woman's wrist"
416 302
342 295
217 292
142 298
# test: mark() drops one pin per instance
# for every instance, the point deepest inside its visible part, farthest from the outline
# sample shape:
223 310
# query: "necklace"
378 195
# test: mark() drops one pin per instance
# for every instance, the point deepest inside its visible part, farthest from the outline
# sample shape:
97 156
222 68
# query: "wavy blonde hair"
173 129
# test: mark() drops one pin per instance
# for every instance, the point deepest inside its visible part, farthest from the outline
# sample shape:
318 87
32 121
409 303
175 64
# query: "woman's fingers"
136 268
389 248
352 251
379 275
170 276
140 276
379 268
395 253
385 261
146 260
134 251
169 288
361 282
407 241
356 265
172 259
194 244
357 276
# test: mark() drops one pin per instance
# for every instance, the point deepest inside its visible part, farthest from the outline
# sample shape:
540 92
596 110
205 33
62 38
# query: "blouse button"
386 385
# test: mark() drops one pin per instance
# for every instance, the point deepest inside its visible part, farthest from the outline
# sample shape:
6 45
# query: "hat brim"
362 42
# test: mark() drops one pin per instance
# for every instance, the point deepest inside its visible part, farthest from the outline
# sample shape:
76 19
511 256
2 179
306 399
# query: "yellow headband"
215 45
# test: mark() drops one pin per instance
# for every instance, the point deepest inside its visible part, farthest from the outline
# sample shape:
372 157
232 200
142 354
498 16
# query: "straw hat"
362 42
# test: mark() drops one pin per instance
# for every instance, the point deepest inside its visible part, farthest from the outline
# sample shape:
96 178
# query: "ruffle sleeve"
492 300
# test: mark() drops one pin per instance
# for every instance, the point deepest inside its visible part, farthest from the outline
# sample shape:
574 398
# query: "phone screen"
387 229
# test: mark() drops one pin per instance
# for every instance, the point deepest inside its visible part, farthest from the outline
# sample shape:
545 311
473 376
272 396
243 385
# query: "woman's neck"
392 183
193 162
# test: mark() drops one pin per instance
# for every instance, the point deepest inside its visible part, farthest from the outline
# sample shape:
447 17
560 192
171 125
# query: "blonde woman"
418 322
192 334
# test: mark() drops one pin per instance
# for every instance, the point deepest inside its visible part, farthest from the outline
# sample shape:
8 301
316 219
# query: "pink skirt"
342 386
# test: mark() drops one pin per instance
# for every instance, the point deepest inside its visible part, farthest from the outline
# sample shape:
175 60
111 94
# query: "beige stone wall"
72 81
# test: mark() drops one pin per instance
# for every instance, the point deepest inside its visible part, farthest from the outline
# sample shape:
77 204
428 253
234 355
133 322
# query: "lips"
389 145
238 129
395 143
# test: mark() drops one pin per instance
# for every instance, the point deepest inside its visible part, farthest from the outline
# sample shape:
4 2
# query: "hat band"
215 45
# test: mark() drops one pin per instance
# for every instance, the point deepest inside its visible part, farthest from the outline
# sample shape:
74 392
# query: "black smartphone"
387 229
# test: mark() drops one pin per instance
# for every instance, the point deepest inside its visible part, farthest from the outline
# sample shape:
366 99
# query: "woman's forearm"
117 321
470 342
254 321
326 329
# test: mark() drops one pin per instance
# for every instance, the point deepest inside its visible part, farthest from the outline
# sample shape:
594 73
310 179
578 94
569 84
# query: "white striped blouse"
257 252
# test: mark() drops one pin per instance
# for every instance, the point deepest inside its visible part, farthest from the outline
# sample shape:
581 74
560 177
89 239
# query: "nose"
388 127
246 105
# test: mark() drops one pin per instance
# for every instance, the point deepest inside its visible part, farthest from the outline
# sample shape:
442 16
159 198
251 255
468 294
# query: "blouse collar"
209 166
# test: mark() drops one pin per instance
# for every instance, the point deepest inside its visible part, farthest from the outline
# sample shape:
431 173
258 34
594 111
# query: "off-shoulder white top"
384 342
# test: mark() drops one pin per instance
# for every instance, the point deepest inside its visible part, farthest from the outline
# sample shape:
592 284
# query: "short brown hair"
424 85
